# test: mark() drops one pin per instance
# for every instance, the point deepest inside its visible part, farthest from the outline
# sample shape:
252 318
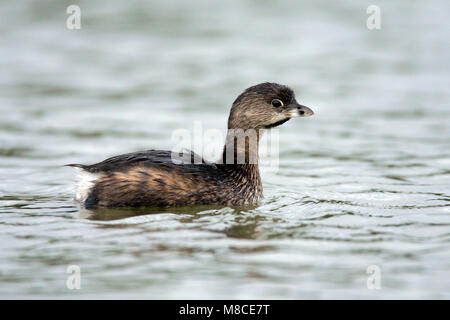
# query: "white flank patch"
86 181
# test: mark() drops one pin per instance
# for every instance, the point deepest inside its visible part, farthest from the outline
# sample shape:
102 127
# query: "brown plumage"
151 178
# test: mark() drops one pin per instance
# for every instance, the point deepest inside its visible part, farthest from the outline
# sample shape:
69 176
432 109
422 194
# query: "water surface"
363 182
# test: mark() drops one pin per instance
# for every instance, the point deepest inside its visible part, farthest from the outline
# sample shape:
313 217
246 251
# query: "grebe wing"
144 158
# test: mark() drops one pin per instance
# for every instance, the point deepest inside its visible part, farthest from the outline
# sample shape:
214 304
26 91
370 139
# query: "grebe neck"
240 155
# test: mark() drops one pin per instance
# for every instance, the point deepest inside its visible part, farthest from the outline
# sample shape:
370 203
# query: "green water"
363 182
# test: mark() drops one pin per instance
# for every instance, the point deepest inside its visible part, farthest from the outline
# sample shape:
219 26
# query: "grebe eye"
277 103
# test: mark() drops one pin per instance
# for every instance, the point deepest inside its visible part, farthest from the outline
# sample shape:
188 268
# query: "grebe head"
265 105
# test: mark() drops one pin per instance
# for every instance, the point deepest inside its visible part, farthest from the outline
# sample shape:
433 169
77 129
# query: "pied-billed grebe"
153 178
